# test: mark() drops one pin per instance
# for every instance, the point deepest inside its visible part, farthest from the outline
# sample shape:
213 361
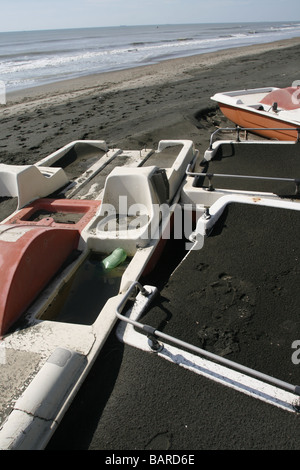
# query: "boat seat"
129 214
29 182
63 213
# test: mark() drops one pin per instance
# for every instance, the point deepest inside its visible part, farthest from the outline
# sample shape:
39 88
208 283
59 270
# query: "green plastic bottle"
114 259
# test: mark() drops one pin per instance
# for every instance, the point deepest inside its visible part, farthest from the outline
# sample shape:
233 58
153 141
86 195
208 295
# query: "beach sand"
133 109
138 107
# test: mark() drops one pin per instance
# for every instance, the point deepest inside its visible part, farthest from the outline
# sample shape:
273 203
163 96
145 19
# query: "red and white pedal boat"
270 112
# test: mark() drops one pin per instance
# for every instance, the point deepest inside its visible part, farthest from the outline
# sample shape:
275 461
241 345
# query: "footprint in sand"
227 303
161 441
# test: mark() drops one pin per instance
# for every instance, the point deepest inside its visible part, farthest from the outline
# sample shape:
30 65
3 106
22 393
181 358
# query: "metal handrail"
224 175
238 129
153 334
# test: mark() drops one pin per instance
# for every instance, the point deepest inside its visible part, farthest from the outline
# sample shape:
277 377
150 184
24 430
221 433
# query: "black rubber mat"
268 160
239 295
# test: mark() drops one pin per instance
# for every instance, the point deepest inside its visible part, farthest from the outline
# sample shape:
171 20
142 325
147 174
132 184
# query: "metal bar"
152 332
270 178
238 129
210 175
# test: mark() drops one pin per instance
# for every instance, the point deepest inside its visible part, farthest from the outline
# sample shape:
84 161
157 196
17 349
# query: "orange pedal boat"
270 112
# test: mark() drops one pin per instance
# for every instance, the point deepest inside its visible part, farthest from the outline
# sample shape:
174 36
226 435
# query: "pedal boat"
218 340
52 249
270 112
212 283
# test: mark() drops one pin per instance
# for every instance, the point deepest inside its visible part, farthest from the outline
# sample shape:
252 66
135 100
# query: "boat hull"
263 124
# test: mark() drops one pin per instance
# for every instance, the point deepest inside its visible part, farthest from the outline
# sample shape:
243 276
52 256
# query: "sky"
24 15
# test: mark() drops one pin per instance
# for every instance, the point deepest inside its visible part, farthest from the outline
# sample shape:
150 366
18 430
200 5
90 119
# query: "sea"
32 58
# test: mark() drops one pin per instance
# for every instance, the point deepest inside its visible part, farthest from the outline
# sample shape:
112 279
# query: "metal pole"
153 333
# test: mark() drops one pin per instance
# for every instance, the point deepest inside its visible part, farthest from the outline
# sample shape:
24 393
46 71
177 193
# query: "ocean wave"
31 55
51 55
99 59
229 36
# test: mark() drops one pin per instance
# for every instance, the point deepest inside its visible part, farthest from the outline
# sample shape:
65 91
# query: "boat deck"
237 298
271 160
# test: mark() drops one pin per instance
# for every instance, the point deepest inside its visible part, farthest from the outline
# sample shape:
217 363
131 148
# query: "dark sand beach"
132 400
138 107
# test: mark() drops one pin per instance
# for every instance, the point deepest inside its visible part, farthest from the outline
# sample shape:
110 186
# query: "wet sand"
138 107
133 400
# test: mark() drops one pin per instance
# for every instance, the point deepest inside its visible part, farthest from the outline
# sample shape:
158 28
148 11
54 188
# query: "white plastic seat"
130 210
28 182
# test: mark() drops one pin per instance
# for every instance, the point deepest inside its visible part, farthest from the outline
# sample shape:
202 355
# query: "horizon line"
139 25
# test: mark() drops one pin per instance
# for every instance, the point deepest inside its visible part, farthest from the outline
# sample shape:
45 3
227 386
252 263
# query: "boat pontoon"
67 262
